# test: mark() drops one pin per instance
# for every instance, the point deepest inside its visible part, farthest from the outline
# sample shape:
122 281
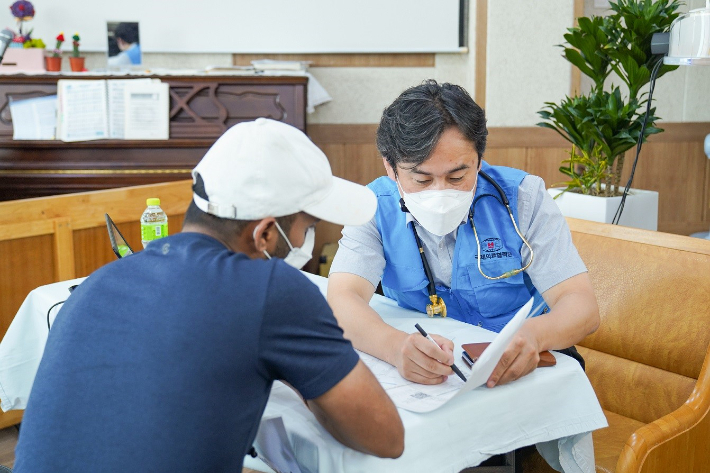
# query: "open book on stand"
131 109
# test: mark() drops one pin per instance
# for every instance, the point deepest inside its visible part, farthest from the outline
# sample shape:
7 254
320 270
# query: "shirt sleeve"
360 252
300 341
545 228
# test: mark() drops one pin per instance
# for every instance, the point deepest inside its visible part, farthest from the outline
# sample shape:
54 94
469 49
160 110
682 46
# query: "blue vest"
471 298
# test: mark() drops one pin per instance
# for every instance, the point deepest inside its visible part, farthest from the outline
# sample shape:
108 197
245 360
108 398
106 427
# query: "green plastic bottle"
154 222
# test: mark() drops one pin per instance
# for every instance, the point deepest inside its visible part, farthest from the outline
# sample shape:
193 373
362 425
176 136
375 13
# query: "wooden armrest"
677 441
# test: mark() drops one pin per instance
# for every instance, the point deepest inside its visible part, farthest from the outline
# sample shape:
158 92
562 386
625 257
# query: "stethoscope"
437 306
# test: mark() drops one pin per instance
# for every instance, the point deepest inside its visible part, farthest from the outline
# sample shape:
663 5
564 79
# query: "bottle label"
153 231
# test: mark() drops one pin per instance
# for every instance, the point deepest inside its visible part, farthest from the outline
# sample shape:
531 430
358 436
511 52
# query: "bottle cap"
153 201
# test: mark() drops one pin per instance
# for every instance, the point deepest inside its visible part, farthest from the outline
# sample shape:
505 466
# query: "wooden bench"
649 362
50 239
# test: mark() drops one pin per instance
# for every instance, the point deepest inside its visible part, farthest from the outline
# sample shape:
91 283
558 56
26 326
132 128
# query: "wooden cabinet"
202 107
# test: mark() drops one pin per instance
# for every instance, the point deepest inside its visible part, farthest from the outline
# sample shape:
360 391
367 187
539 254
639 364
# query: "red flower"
60 37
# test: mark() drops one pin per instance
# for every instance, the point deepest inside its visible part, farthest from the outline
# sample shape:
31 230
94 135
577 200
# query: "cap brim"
346 203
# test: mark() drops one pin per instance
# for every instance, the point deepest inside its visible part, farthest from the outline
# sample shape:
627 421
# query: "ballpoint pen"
428 337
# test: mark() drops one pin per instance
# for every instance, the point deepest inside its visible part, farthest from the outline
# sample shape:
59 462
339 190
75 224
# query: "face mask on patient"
299 256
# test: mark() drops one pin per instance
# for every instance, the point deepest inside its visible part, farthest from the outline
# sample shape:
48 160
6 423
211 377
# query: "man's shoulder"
383 186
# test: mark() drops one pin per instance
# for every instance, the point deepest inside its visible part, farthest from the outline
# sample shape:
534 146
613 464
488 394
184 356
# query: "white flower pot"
640 208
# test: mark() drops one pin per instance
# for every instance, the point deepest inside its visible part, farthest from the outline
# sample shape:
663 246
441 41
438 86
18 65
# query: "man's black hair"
411 126
128 32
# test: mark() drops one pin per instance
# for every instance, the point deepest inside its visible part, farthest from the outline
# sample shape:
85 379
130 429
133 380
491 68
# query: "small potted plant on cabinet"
76 61
54 62
603 124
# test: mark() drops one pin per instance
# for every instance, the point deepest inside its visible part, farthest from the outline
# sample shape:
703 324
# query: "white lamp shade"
689 42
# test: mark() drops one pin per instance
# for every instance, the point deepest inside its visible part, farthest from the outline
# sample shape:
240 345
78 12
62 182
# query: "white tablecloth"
554 408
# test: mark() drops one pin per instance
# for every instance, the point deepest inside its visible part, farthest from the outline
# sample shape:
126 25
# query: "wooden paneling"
672 163
345 60
479 94
21 273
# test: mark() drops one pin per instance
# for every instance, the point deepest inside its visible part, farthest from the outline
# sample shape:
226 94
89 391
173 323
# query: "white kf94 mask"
297 257
439 211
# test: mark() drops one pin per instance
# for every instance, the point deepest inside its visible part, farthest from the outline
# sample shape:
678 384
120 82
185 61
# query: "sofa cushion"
655 392
609 442
645 290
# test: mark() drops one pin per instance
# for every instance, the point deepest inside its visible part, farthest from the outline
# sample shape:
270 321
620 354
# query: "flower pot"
640 208
53 64
76 63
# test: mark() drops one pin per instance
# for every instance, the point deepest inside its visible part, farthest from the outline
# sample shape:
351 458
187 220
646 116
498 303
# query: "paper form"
34 119
424 398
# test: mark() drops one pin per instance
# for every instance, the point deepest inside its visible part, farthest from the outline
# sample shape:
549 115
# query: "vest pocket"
403 278
499 299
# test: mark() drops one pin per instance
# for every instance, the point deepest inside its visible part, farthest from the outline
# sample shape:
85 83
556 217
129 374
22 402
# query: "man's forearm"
574 316
364 327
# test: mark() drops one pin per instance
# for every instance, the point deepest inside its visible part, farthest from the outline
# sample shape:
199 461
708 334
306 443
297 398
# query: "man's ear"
390 172
264 234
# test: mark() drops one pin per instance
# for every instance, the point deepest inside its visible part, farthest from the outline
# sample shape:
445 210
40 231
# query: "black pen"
428 337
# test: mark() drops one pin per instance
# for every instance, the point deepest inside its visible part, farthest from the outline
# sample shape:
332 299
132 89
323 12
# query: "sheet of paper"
273 448
81 110
147 111
486 363
35 118
423 398
117 105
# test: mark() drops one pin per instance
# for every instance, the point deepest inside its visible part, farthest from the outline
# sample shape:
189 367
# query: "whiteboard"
257 26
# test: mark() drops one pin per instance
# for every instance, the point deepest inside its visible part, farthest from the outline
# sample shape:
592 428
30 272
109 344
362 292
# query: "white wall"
524 70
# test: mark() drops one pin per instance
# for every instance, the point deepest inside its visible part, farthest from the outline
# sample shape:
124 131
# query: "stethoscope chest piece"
437 307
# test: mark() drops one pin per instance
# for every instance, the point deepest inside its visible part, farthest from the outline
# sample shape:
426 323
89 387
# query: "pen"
428 337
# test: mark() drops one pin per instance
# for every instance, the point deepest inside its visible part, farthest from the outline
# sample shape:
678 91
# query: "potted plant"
54 62
76 62
605 123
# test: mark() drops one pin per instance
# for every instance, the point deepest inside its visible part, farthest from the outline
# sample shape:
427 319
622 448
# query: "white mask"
298 257
439 211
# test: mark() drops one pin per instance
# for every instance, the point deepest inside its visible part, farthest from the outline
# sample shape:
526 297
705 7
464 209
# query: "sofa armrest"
676 441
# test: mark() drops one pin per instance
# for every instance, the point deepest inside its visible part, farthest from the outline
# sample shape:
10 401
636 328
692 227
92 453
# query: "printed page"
34 119
117 105
81 114
147 110
424 398
486 363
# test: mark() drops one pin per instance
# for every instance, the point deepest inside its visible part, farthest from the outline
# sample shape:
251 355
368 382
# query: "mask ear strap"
278 227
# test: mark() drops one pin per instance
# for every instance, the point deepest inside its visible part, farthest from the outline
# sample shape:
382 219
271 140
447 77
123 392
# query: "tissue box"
22 60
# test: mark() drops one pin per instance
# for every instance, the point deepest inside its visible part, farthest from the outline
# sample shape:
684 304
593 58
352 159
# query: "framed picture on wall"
124 49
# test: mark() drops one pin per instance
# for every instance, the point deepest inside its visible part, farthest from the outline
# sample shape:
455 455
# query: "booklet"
117 109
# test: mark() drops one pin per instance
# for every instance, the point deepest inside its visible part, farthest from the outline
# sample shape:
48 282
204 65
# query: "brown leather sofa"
649 361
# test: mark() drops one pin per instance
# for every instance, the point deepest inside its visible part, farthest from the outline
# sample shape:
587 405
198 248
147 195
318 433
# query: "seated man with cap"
163 360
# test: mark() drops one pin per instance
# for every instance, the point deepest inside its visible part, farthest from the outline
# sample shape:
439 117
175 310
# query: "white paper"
117 105
81 110
147 111
34 119
424 398
486 363
272 446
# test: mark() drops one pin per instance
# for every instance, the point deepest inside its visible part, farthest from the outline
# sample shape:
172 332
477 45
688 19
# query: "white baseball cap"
267 168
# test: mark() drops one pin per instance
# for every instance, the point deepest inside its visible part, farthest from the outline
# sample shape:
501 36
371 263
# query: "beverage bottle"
154 222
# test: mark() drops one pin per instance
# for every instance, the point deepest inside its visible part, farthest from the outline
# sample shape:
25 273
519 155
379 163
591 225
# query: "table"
554 408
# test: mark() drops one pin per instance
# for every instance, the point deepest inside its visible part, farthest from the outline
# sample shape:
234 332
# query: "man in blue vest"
455 235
